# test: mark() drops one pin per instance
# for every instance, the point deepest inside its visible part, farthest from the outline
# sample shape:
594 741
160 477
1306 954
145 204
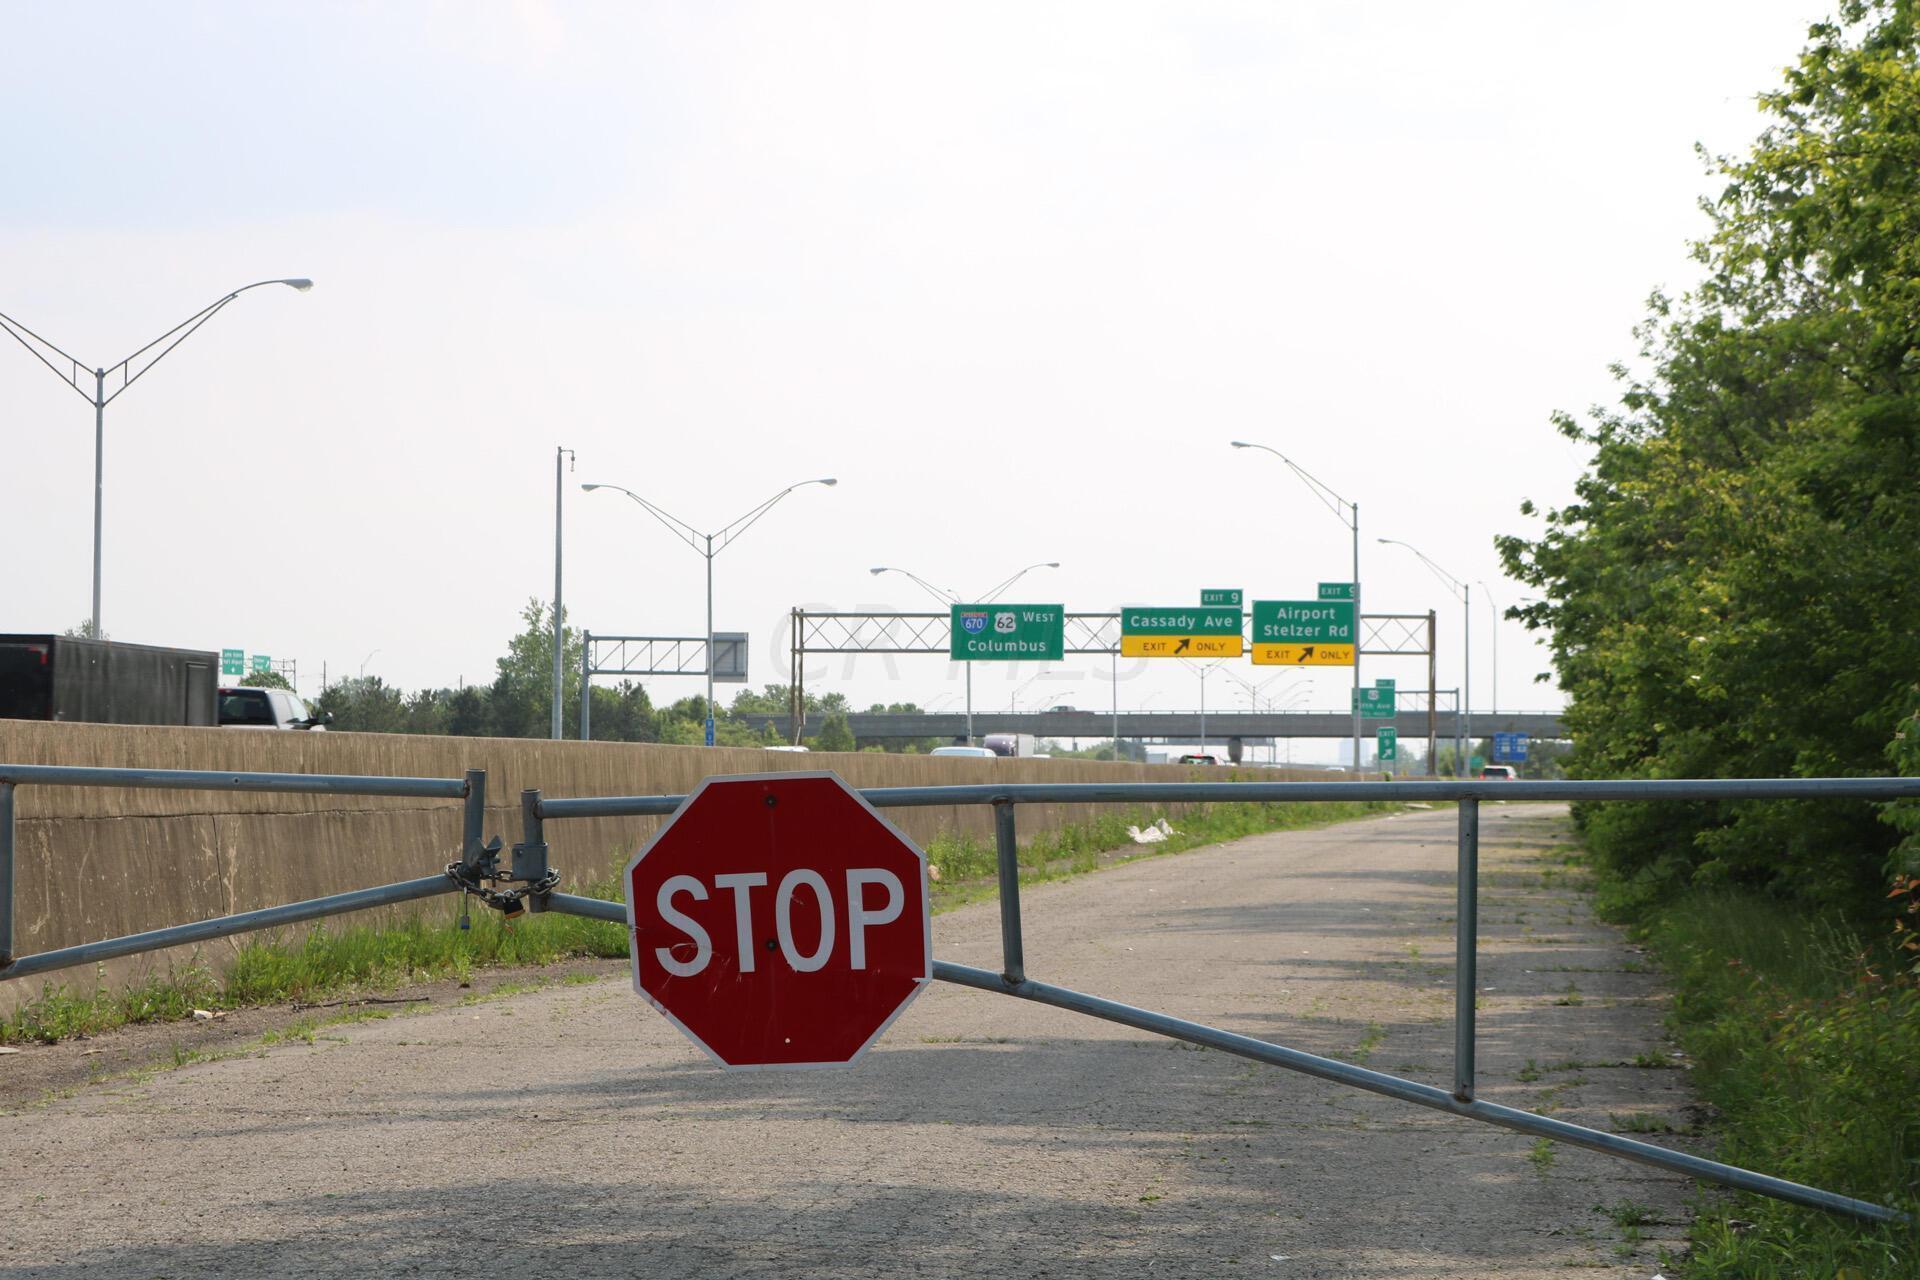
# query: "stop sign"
779 921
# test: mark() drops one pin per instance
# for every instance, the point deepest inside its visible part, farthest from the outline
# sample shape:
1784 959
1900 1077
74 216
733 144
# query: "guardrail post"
6 874
474 819
1466 938
530 855
1013 960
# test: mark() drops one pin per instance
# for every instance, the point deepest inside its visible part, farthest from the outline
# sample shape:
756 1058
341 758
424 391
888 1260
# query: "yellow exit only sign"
1302 655
1181 646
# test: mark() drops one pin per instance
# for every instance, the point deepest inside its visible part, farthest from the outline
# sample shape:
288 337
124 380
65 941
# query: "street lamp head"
881 569
302 284
1241 444
591 487
1053 564
827 482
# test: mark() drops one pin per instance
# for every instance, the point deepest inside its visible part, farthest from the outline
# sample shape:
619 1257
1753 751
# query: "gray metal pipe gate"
477 868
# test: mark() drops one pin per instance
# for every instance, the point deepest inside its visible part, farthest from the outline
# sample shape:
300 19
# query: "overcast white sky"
1014 273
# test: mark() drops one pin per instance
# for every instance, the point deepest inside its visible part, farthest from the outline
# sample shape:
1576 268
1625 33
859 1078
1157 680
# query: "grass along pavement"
1805 1036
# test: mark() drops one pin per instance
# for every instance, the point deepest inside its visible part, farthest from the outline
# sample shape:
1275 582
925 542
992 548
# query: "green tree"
427 711
466 711
624 713
266 680
364 704
521 697
897 745
1730 593
835 734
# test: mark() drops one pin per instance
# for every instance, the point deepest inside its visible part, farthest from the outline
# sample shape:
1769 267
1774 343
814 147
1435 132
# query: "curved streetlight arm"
1452 583
1044 564
681 529
944 596
33 342
1013 703
1321 491
184 330
1253 688
726 535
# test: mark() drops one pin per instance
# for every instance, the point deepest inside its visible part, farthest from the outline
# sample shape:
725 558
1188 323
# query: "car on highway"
976 753
1197 757
1498 773
247 708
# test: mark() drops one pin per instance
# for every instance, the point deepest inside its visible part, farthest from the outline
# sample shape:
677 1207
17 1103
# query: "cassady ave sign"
779 921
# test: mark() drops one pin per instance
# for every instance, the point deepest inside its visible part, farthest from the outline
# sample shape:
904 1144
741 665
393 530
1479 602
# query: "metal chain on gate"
508 902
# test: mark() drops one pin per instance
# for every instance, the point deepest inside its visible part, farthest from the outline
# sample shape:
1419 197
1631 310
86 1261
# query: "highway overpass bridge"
1170 726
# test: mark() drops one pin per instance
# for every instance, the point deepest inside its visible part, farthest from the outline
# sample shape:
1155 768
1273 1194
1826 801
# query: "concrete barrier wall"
96 862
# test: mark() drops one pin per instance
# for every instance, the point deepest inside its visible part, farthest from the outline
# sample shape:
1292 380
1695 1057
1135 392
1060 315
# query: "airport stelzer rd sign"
1303 633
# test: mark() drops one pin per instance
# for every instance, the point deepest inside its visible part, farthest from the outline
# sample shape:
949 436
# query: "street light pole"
1203 710
709 554
559 632
39 346
1334 502
948 597
704 544
1494 634
1463 716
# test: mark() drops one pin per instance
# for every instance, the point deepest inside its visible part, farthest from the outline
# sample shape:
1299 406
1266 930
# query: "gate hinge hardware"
482 877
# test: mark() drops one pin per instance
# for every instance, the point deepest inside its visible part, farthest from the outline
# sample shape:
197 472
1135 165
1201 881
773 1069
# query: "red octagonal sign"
779 921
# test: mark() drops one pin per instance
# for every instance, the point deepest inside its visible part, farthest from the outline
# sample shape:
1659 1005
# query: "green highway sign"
1180 631
1375 703
1336 591
1008 633
1310 633
1179 620
233 662
1220 597
1303 622
1387 742
1476 764
262 663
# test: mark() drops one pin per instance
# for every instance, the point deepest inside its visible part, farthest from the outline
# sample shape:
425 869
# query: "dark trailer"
105 681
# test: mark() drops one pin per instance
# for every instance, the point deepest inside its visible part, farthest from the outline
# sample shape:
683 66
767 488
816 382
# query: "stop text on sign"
860 916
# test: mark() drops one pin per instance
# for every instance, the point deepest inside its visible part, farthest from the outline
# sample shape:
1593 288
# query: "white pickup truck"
245 708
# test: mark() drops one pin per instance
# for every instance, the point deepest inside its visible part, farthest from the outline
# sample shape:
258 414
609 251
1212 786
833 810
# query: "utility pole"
559 613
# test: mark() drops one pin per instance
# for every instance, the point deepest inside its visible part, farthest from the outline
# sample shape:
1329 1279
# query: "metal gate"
529 883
